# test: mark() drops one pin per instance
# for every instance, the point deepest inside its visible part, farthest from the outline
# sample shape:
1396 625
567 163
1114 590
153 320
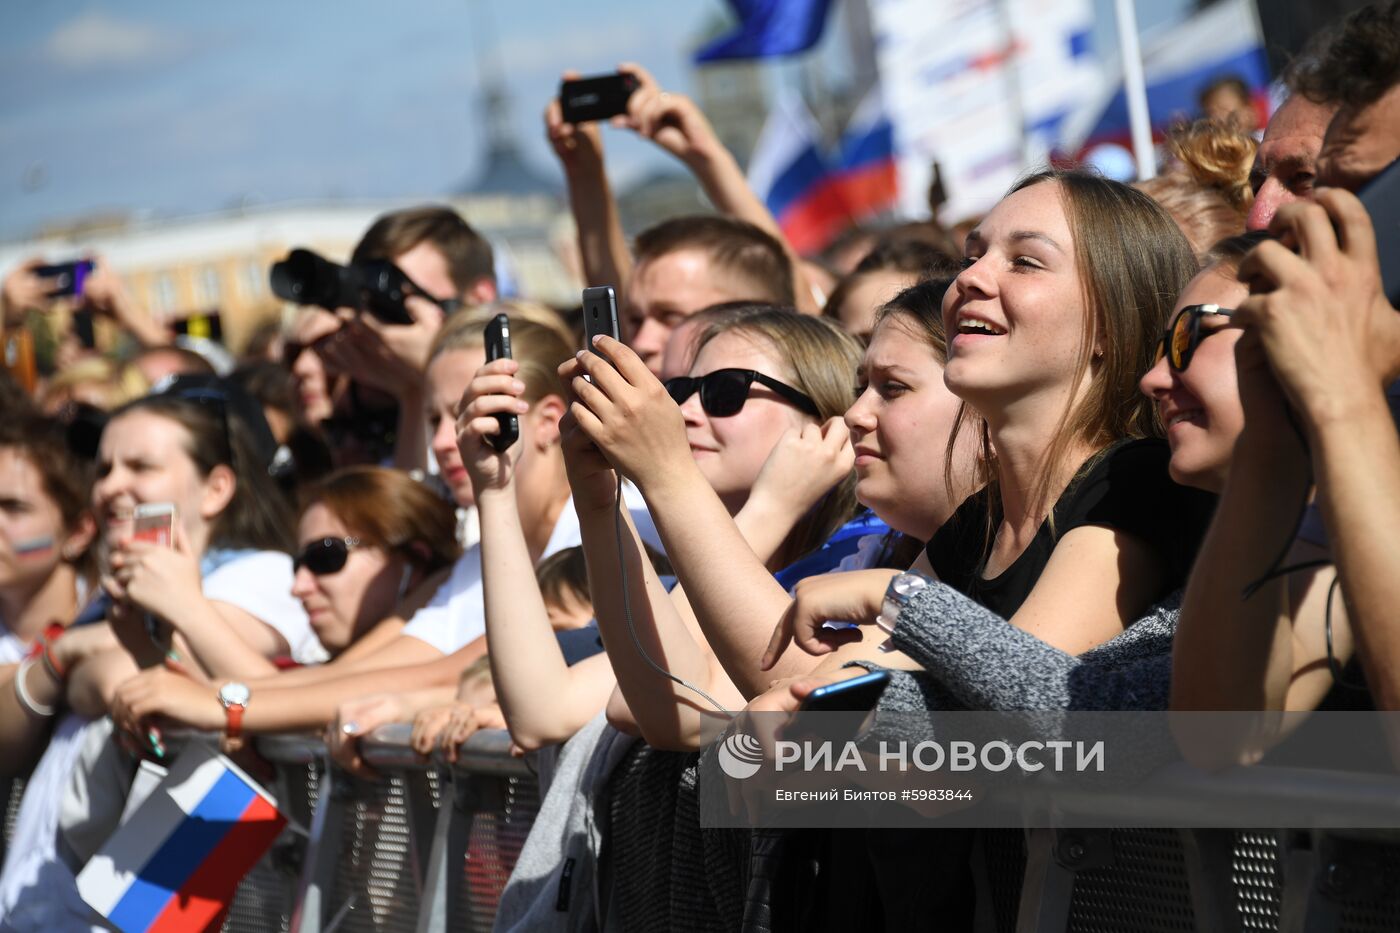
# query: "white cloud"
98 40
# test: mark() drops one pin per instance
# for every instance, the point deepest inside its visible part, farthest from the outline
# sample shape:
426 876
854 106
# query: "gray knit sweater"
974 659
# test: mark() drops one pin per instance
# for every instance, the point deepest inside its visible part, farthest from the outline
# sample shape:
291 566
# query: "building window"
207 288
163 294
254 279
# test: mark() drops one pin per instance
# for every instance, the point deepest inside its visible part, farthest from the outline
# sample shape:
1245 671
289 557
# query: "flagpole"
1135 89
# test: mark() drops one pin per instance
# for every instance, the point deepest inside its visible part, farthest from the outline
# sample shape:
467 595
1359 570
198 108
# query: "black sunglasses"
1183 335
325 556
724 391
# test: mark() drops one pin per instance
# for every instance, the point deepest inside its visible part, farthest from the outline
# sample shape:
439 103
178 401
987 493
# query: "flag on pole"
790 174
865 172
174 865
767 28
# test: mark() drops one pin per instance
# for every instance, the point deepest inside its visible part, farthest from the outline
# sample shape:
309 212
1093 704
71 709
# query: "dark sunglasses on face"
1183 335
325 556
724 391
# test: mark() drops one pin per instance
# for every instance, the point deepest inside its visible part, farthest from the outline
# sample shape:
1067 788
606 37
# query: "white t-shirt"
456 615
261 585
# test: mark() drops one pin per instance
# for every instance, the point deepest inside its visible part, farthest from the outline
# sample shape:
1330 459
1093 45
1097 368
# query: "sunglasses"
724 391
325 556
1184 334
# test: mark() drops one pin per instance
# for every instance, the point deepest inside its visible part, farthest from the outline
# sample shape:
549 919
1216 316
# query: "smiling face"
900 425
1201 406
343 605
1016 313
144 458
731 451
1286 162
447 377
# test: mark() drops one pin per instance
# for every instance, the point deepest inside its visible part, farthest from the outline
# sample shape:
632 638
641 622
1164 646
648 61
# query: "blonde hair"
1207 193
822 360
116 383
540 342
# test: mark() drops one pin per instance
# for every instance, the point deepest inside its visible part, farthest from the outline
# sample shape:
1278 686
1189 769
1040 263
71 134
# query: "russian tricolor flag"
175 864
865 173
790 174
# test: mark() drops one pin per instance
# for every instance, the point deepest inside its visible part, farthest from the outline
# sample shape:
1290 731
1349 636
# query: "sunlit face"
1360 142
143 458
665 290
1201 406
448 375
731 451
343 605
31 525
427 267
1015 314
313 382
900 425
1286 162
867 295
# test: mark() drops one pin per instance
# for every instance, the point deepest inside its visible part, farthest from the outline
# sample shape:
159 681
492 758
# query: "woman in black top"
1066 287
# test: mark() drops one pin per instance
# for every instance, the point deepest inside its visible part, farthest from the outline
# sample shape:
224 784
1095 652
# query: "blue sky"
177 108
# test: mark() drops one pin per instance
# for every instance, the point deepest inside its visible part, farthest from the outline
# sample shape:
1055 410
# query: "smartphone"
498 348
599 314
1381 197
154 522
68 277
855 698
584 100
83 329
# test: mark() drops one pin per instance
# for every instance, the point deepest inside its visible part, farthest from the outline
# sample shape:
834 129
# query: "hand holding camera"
672 121
576 140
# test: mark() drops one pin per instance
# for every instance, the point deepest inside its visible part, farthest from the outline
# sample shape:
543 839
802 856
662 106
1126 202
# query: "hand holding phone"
154 522
498 348
600 316
585 100
68 277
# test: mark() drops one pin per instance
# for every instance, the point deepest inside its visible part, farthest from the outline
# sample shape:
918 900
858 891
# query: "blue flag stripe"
182 853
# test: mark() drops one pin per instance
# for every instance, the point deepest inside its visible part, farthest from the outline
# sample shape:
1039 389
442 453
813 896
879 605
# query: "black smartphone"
584 100
854 698
68 277
498 348
83 329
599 315
1381 196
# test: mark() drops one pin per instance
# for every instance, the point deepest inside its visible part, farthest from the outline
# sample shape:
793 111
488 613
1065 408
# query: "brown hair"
1356 62
390 510
822 360
738 249
919 309
66 479
257 516
467 252
565 573
892 254
540 342
1133 261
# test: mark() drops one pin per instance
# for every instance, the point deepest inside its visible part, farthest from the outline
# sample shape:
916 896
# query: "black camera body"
378 286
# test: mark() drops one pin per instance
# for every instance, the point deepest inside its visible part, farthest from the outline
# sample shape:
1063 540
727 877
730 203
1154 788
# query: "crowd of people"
1123 447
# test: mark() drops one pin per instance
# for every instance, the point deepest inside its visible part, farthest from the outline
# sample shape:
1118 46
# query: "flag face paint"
34 548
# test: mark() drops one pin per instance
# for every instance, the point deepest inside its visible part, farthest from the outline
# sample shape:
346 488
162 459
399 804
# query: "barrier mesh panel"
375 871
492 848
1145 890
267 894
1004 855
1254 876
13 792
1375 907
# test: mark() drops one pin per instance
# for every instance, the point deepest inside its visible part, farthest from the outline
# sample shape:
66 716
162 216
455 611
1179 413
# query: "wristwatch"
234 697
903 588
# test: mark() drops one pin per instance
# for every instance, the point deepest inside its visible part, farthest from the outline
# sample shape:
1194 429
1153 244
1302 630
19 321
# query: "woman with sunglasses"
367 537
698 447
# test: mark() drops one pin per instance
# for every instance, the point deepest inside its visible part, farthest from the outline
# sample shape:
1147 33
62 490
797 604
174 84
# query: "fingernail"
579 354
597 337
518 386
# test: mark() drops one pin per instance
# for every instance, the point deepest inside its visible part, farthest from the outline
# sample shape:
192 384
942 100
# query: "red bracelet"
51 634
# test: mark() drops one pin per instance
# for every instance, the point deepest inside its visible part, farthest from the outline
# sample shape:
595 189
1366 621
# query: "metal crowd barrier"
428 848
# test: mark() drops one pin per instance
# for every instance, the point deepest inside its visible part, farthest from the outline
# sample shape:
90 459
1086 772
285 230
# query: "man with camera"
380 313
1322 340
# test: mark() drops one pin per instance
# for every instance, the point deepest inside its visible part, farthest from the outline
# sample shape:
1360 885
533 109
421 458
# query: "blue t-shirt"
837 548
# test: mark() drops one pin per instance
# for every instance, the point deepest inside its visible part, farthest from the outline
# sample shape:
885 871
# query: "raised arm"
676 124
602 244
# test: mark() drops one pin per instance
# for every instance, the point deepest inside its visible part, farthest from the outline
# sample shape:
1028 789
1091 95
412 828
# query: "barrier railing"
429 846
